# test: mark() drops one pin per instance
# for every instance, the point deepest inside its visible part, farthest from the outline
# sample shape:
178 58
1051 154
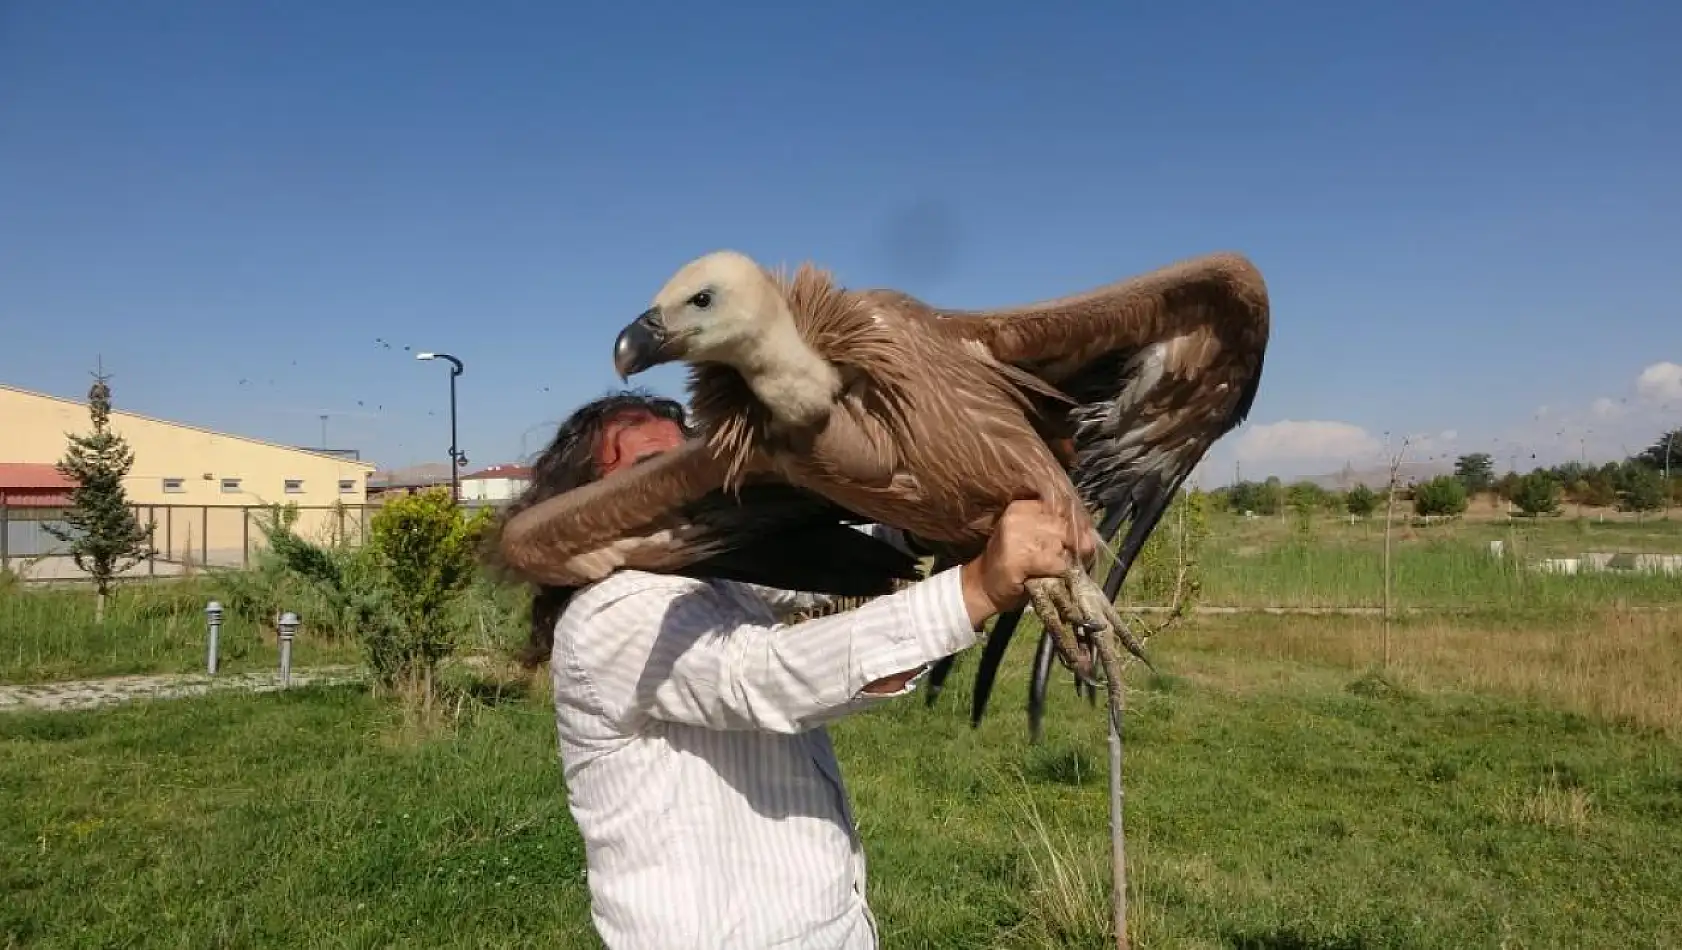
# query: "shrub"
1361 501
1444 495
1536 494
422 556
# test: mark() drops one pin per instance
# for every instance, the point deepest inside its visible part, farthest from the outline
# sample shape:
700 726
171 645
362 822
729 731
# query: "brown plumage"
928 420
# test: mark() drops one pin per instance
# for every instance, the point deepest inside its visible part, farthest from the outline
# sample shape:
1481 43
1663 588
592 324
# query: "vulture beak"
641 344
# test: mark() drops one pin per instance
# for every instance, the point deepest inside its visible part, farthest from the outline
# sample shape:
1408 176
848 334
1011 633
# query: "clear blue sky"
1465 212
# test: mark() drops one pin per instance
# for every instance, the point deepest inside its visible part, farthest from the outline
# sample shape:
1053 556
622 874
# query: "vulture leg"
1075 602
1055 607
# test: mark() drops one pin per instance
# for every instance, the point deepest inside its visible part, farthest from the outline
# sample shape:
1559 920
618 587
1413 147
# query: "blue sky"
1466 213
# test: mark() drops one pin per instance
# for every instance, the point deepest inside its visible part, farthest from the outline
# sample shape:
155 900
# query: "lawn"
1279 796
1274 562
49 633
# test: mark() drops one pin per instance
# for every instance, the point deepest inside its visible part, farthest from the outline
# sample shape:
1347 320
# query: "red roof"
33 485
501 471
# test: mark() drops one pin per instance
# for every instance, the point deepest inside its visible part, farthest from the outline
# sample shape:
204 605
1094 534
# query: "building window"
294 486
230 486
347 486
175 485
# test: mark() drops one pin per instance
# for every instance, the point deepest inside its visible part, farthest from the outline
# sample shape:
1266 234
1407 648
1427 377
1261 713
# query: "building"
408 481
495 485
200 490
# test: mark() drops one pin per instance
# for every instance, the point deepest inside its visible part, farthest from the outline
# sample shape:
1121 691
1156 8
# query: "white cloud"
1661 382
1291 439
1607 408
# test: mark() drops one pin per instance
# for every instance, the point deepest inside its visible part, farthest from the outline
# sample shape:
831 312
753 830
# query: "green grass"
1263 562
49 634
1275 801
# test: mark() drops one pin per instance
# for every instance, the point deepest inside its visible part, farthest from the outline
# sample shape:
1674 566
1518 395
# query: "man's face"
633 435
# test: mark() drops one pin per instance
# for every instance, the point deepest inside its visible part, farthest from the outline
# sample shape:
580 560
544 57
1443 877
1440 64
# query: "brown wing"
1157 367
669 515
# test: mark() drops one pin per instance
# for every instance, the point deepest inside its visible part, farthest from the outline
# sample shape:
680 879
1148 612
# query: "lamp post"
455 454
288 628
213 613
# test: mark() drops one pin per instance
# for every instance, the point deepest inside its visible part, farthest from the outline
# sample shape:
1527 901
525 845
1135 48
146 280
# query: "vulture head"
724 308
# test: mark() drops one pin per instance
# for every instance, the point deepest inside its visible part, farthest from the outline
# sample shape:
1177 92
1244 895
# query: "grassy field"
158 626
1273 562
49 634
1505 787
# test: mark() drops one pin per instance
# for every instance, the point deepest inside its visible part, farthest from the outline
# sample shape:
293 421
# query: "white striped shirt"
697 767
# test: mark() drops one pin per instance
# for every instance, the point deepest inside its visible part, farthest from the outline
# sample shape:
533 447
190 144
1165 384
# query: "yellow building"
202 491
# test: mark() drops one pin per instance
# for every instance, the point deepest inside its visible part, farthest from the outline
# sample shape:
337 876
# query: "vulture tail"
852 563
1037 686
991 656
938 673
942 668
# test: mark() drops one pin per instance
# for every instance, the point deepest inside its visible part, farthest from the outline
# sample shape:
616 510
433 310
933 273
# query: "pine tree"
104 535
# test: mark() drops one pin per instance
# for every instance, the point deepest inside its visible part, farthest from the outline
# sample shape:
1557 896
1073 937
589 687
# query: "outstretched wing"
1157 368
670 515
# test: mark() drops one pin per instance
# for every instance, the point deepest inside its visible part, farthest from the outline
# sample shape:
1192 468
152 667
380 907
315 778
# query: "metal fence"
182 537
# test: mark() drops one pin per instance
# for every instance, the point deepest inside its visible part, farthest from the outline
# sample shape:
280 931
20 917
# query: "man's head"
600 437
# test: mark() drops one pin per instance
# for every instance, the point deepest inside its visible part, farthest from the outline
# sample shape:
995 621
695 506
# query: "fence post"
5 534
204 537
213 611
288 627
245 535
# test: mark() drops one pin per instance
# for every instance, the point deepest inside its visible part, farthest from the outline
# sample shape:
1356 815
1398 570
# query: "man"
691 722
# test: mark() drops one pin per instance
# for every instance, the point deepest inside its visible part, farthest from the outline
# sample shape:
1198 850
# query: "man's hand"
1028 542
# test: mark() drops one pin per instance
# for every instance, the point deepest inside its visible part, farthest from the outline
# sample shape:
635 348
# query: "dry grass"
1615 666
1553 804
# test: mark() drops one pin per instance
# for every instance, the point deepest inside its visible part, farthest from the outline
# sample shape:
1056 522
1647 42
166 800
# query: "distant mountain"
1377 477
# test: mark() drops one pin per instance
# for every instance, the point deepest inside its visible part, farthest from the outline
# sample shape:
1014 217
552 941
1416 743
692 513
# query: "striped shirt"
697 766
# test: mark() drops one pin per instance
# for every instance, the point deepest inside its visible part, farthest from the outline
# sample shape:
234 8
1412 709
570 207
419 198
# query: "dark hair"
567 463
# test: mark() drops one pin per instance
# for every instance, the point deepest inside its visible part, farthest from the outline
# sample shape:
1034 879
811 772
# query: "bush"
400 594
1444 495
1643 490
1361 501
1536 494
423 549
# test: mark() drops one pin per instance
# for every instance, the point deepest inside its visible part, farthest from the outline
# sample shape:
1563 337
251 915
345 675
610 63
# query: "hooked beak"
642 344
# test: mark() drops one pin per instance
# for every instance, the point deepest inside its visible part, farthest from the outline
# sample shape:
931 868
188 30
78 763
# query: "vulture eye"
702 300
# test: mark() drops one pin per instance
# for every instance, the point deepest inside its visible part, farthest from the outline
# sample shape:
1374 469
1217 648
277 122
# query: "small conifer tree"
104 536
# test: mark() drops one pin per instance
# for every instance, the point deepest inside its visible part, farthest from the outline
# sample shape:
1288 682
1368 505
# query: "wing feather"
1154 369
671 515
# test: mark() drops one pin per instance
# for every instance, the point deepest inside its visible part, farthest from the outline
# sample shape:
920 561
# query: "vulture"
871 405
819 407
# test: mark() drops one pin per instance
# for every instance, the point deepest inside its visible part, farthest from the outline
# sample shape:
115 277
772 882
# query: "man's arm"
678 650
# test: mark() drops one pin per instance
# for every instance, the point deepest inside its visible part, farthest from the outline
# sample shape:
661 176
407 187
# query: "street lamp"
456 459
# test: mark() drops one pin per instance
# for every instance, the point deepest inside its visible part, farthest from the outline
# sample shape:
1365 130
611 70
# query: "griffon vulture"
924 419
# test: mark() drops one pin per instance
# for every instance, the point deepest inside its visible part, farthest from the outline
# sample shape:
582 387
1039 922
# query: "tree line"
1637 484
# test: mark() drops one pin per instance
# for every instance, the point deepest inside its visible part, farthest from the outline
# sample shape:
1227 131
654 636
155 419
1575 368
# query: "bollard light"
288 629
213 612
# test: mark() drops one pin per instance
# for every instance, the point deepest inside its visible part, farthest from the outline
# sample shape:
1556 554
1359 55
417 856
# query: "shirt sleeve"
680 650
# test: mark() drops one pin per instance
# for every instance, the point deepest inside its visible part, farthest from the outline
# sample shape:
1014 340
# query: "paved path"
91 694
